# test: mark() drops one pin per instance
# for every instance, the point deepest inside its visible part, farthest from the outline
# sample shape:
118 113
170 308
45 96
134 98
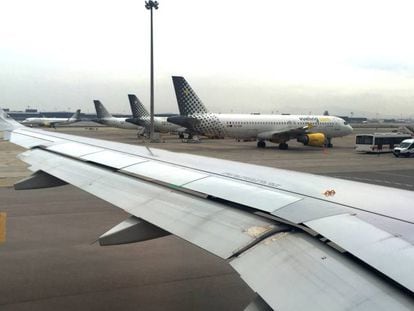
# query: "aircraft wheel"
261 144
181 136
283 146
329 145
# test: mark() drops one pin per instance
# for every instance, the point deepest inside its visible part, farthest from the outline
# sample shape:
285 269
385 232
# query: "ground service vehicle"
405 149
379 142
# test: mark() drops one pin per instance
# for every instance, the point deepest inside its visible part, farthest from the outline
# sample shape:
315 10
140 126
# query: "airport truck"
379 142
405 149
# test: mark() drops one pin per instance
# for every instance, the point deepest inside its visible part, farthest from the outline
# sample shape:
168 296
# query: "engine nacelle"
315 139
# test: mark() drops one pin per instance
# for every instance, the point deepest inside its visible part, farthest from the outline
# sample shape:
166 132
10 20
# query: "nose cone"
349 129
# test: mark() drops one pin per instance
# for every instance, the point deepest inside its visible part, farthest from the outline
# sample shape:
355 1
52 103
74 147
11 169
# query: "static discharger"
3 227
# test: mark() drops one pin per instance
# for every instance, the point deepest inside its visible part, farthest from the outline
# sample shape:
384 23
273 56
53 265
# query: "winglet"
7 123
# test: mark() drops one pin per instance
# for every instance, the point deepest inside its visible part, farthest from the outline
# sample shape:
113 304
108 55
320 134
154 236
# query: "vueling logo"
308 119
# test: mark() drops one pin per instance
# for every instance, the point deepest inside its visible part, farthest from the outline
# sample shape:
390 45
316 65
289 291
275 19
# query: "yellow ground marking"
3 227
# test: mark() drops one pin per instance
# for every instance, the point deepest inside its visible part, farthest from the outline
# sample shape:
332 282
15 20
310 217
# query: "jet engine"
315 139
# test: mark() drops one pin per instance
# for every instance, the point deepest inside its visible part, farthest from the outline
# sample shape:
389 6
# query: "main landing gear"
283 146
262 144
142 133
191 139
328 143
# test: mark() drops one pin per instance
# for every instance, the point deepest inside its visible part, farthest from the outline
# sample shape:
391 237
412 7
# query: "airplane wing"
300 241
288 132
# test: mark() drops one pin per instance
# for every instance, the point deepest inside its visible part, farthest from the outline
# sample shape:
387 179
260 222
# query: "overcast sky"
296 56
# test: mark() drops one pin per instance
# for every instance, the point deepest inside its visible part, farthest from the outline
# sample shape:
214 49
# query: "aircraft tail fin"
101 111
137 108
188 101
75 116
7 123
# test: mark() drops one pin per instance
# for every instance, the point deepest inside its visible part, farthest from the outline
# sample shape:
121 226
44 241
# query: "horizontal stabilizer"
130 231
38 180
187 122
137 121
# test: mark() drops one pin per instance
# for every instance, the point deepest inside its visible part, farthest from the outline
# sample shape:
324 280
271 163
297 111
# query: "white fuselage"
246 126
162 125
119 123
48 121
252 125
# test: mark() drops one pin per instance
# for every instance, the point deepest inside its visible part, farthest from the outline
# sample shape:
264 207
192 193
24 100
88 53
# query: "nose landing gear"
328 142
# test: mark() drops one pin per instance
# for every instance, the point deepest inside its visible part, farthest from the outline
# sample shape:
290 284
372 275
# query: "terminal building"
34 113
354 120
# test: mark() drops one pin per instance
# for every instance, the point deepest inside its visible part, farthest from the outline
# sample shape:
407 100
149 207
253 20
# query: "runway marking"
3 227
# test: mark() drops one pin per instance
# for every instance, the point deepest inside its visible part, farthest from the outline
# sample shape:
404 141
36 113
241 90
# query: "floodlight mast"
149 5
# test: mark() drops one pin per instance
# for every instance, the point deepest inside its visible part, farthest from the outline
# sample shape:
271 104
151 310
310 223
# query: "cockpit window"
346 123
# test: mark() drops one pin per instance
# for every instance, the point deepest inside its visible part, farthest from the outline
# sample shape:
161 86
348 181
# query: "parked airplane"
104 117
300 241
52 122
142 118
311 130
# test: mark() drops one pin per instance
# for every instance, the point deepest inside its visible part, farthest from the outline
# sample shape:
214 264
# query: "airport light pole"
149 5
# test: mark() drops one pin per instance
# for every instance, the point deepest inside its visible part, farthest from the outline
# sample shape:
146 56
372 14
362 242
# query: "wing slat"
292 271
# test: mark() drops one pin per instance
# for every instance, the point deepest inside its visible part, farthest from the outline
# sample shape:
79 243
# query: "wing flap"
254 196
308 209
113 159
165 173
293 271
385 252
74 149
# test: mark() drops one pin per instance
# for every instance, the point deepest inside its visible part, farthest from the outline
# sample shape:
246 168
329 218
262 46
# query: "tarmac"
50 261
